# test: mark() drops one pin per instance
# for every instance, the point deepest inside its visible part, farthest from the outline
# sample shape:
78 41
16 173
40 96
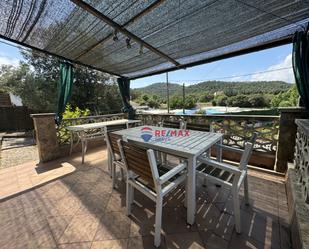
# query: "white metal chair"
115 155
85 137
144 175
181 124
229 176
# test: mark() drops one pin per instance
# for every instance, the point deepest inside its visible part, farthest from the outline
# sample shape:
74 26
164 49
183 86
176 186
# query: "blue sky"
271 59
9 54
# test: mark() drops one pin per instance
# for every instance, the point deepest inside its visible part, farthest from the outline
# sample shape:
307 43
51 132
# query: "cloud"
282 75
5 60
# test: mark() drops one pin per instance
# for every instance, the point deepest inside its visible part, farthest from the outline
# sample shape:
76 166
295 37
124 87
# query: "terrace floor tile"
73 205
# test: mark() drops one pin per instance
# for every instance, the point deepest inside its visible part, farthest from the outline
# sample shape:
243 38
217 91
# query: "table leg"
109 162
71 142
191 195
219 151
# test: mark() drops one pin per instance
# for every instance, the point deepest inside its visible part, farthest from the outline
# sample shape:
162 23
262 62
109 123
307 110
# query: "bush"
153 103
221 100
176 102
190 102
286 99
206 98
257 101
75 113
238 101
63 134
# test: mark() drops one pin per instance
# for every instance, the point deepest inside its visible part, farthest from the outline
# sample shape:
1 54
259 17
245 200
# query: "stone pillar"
286 139
46 136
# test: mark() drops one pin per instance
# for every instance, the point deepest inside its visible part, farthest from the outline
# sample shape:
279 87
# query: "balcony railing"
63 135
273 149
236 130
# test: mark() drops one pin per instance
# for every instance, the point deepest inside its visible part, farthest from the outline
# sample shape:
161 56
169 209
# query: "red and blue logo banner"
162 135
146 133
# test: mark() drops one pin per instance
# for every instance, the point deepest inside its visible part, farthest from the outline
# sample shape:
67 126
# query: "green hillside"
211 87
240 94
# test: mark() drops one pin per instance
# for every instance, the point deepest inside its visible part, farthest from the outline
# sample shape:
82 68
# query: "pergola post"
286 139
46 136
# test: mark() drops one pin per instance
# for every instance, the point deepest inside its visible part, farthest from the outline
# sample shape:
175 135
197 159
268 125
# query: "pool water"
210 111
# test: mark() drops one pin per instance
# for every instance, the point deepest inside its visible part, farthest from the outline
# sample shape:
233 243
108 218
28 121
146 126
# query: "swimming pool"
210 111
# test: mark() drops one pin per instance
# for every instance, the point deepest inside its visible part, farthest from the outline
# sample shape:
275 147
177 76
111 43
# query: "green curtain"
300 59
64 88
124 88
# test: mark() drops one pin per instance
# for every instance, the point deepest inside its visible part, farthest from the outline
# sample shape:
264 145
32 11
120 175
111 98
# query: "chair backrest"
246 156
198 127
137 161
170 124
112 145
253 138
116 127
182 124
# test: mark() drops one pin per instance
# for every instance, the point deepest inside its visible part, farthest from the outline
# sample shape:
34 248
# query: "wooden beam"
123 30
132 20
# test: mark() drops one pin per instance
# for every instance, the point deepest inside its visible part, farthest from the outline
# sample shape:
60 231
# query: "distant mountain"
211 87
160 89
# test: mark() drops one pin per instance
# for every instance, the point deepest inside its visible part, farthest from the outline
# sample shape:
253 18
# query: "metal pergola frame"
122 29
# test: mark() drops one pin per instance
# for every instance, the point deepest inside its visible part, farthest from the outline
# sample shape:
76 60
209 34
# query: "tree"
176 102
230 92
221 100
155 97
257 100
35 92
145 97
206 97
35 81
286 99
238 101
190 101
153 103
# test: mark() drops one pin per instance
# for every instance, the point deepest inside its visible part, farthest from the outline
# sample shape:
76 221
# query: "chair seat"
215 172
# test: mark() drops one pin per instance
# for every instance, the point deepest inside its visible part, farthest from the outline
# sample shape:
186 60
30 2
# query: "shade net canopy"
188 31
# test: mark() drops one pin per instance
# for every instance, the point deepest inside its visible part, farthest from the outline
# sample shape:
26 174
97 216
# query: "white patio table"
81 131
188 147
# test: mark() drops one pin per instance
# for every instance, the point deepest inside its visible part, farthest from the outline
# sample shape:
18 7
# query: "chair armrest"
168 175
225 147
220 165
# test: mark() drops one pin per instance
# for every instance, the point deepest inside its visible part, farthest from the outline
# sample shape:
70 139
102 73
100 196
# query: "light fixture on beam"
115 37
141 49
128 42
